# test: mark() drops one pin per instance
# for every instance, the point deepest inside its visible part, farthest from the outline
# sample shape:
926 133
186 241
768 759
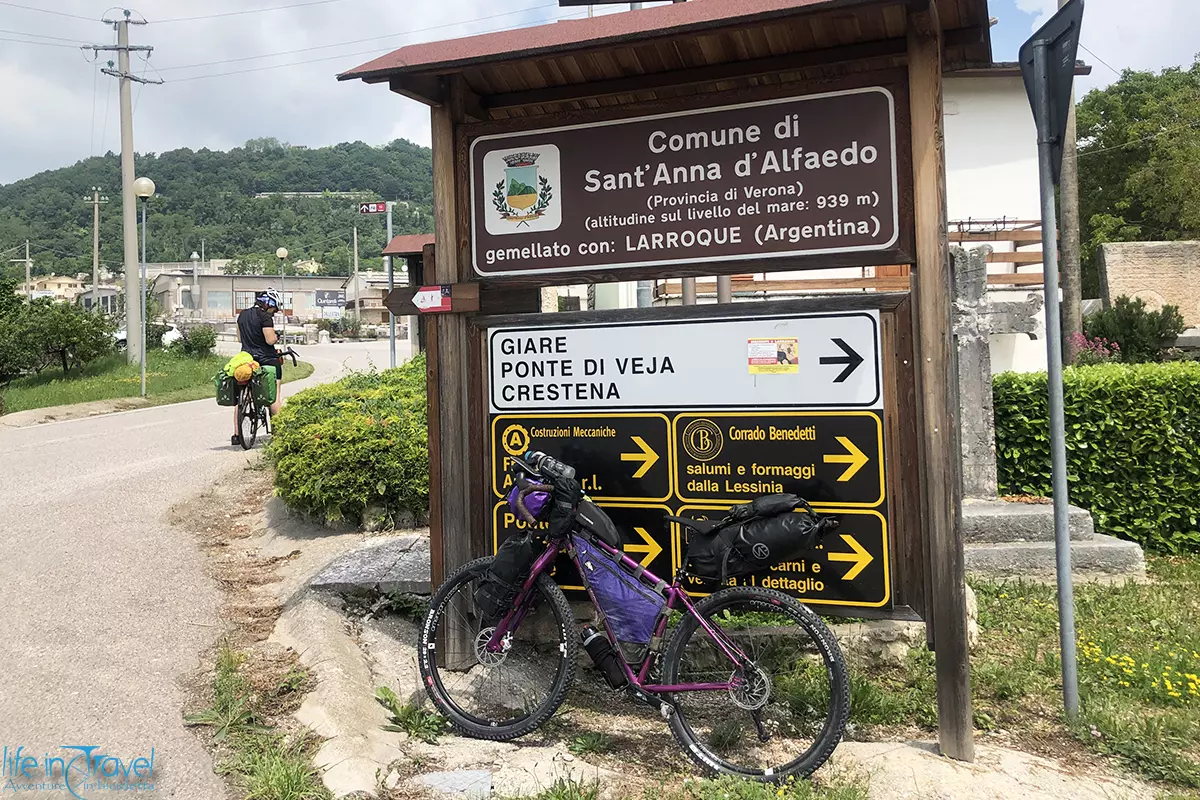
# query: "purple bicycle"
751 682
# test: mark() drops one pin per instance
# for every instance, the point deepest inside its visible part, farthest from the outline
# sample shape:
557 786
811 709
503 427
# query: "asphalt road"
103 607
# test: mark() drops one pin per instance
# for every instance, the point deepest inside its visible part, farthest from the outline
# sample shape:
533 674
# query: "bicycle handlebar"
289 353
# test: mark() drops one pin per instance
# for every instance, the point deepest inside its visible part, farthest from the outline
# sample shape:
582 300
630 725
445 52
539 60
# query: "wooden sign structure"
677 141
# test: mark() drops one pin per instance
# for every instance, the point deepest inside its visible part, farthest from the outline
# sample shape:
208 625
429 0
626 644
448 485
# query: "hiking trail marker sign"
689 417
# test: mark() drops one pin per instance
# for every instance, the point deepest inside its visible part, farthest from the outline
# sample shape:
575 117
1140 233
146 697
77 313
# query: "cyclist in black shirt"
256 329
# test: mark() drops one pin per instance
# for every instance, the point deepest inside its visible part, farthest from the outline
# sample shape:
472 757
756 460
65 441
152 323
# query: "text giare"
770 162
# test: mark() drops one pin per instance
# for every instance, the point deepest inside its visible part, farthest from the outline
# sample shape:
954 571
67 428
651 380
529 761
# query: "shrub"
199 341
154 333
1090 351
1132 457
1140 334
342 447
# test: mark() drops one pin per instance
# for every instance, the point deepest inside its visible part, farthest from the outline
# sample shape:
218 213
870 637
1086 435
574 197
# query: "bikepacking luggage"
630 607
496 591
263 386
227 389
756 536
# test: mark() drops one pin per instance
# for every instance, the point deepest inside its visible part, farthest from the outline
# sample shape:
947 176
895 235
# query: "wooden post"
452 535
941 464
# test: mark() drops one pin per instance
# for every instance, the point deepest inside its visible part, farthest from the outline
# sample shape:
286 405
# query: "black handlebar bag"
756 536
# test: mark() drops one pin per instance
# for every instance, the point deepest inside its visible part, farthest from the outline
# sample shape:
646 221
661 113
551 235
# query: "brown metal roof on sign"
408 245
696 16
590 32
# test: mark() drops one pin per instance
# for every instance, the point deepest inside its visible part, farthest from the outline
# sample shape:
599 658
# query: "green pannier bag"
263 386
227 389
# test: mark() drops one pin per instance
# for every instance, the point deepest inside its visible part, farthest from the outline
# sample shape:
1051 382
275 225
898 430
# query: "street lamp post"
195 295
282 254
144 189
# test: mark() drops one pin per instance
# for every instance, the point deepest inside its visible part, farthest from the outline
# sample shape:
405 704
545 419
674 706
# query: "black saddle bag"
755 536
495 592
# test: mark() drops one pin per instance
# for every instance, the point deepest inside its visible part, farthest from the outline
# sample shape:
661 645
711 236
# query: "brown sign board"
797 176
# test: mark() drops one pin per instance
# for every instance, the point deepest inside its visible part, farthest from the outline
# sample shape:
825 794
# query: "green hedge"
1133 447
342 447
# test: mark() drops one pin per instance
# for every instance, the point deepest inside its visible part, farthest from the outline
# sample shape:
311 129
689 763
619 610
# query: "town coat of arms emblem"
522 195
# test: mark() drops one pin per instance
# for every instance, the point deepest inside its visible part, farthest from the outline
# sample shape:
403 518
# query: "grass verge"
1139 674
265 762
170 378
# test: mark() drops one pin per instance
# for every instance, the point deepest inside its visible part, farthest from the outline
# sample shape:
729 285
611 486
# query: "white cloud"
1143 35
46 120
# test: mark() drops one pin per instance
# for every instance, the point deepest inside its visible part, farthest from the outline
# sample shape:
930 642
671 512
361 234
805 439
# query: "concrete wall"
1160 273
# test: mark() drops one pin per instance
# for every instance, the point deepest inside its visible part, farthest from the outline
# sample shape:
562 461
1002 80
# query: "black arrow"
852 359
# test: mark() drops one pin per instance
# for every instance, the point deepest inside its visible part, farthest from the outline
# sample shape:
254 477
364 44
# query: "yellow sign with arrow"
854 458
647 456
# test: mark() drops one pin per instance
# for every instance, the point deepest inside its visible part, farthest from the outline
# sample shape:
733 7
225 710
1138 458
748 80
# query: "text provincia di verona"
705 175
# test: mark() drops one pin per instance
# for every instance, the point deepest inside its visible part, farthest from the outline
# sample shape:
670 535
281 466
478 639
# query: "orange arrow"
855 458
651 548
860 558
648 457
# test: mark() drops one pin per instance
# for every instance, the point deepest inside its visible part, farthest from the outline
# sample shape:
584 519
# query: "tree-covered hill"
211 196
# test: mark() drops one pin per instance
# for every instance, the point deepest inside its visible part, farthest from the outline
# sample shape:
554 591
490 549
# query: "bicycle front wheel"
785 711
501 695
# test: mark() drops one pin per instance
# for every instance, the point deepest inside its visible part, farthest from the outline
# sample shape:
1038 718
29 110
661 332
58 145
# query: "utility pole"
1072 278
28 270
134 307
391 288
96 201
357 312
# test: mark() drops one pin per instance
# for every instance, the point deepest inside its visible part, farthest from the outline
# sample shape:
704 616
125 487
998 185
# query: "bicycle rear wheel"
502 695
247 418
790 706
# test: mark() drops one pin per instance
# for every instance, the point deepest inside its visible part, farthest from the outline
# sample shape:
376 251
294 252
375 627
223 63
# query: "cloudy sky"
236 69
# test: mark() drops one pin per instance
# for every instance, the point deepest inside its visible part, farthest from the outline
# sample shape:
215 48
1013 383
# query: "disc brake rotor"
750 690
487 657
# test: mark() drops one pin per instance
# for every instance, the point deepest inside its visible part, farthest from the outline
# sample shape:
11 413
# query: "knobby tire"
554 599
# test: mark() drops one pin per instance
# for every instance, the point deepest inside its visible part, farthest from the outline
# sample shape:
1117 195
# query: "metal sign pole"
1058 444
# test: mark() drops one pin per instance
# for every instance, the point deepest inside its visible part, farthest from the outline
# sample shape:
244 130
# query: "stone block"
399 563
472 783
1000 521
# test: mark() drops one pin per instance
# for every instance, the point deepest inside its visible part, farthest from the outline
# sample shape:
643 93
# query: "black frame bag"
756 536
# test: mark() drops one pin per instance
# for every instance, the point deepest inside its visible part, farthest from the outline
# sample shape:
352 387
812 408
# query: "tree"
14 352
1139 161
63 332
212 197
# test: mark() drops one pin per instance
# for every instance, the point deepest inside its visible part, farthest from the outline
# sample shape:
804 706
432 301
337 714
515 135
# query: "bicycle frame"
675 597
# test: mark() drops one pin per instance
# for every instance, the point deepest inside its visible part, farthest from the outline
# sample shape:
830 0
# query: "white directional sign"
794 361
433 298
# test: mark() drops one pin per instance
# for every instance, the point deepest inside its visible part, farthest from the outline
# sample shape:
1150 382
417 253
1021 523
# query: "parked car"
173 334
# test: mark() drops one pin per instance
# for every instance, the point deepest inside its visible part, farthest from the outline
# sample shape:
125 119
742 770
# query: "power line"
1163 132
41 36
43 44
360 41
247 11
46 11
1101 60
374 51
